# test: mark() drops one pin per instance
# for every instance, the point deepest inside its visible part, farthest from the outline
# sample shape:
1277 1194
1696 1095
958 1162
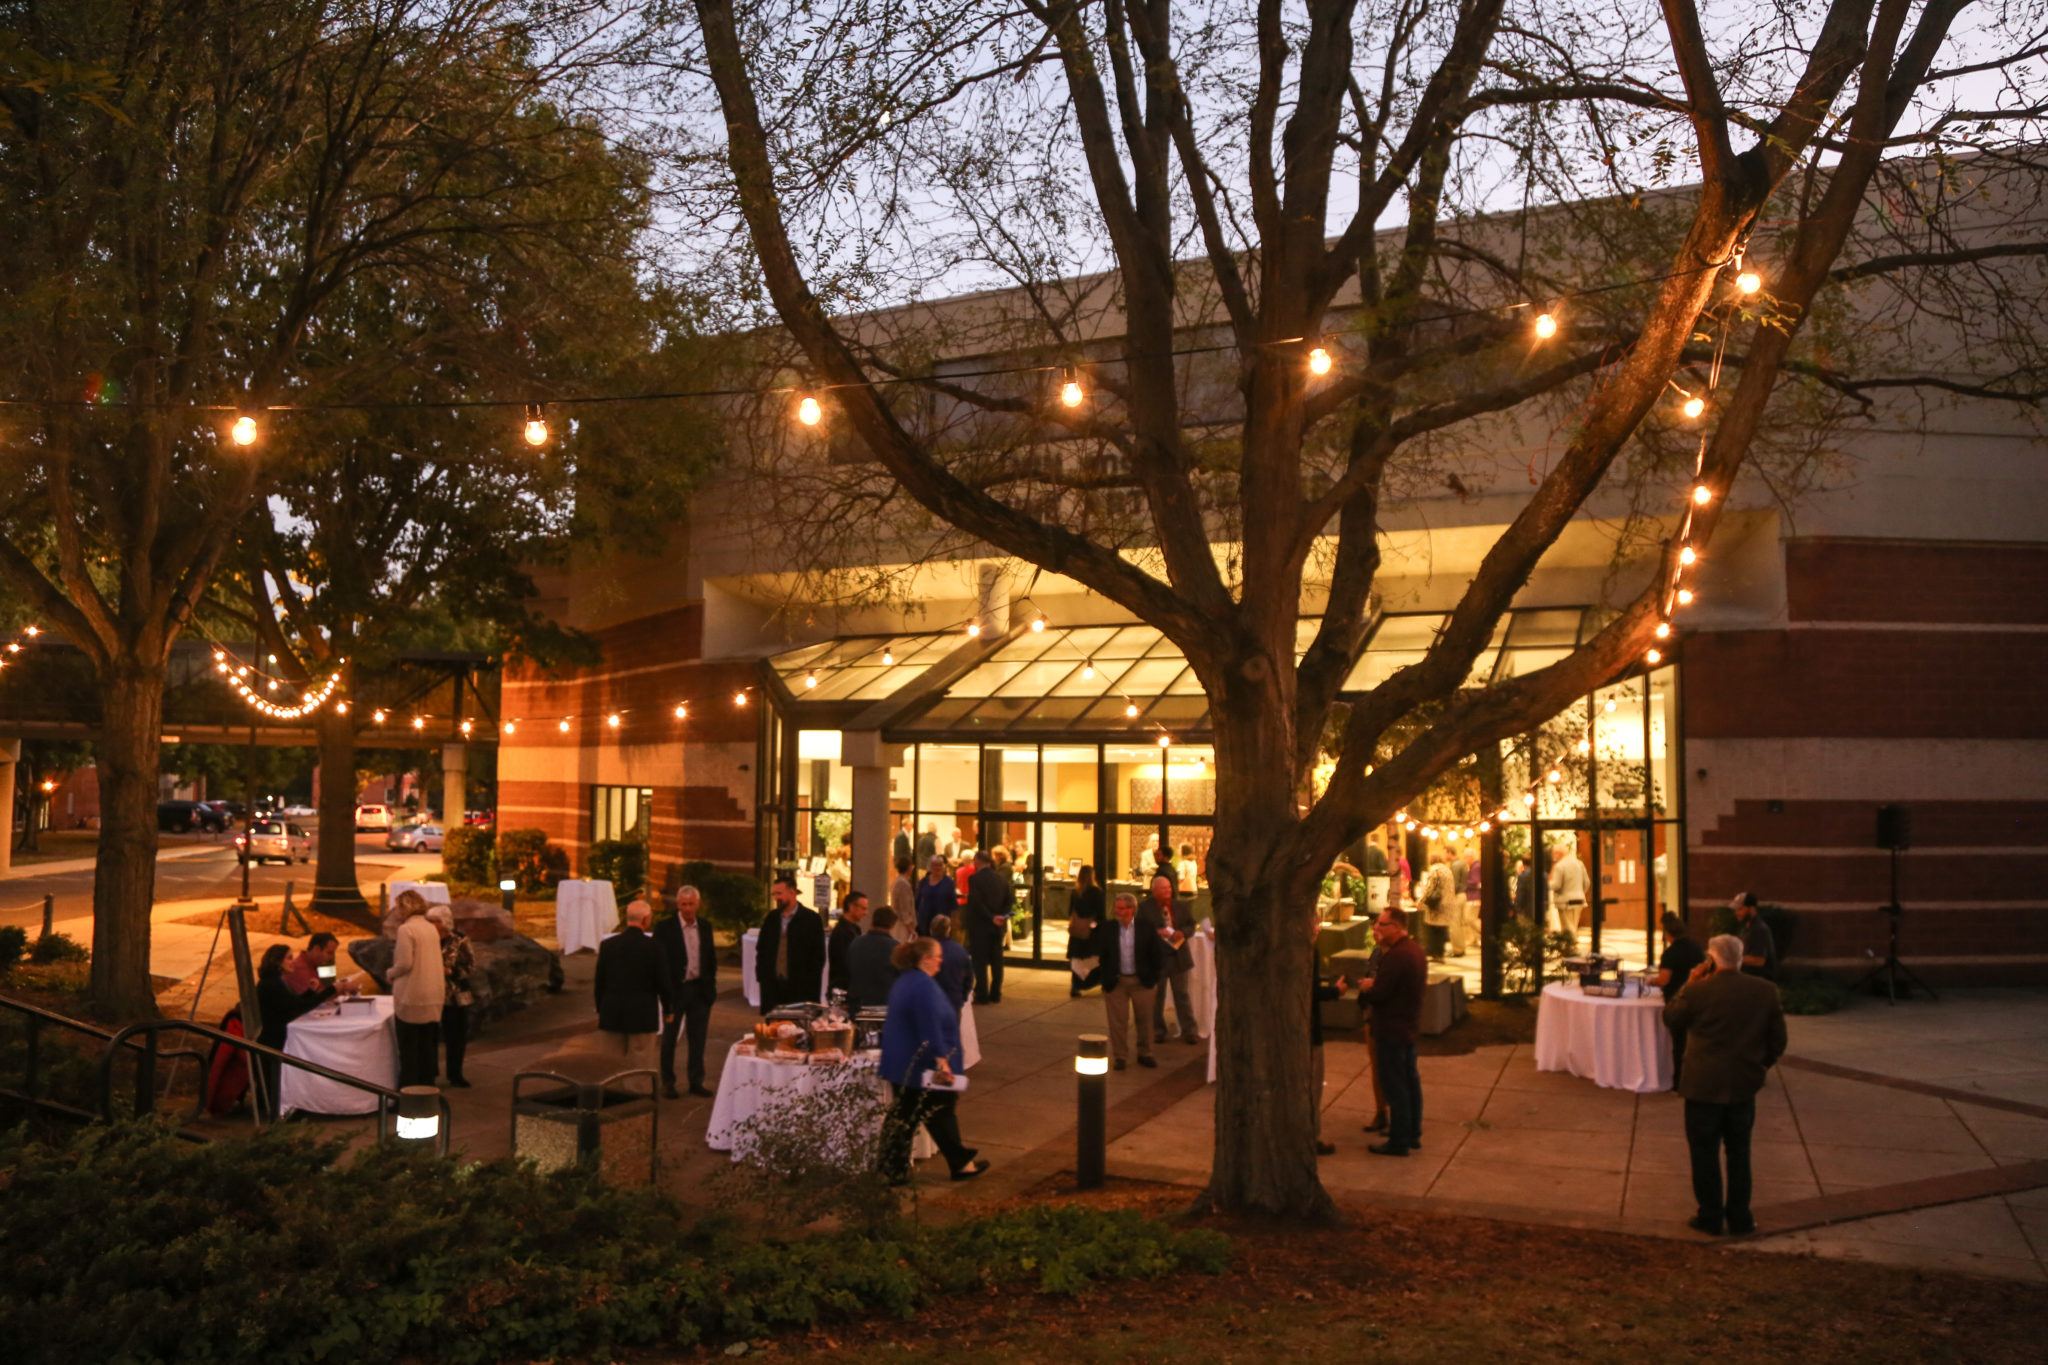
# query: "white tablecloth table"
1202 983
749 1086
359 1040
750 983
585 911
1616 1044
434 893
970 1039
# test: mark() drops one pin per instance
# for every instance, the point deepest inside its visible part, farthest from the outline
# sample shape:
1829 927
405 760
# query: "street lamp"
1091 1128
419 1114
506 888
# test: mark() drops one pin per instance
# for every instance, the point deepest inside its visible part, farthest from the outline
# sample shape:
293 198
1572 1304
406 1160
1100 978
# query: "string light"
1585 746
1088 669
1686 555
808 412
1484 826
973 629
511 727
536 426
1131 710
1702 495
682 712
1165 740
243 432
1695 406
888 657
810 680
419 722
1554 775
1319 361
1653 657
564 726
1038 626
1685 597
341 708
1663 631
1749 281
1608 706
467 727
612 720
1528 798
1071 392
377 716
1546 326
739 699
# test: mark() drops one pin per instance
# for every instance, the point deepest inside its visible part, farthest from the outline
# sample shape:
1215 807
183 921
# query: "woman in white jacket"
418 991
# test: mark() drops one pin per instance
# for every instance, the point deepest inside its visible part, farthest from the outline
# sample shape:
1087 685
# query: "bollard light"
419 1113
506 888
1091 1128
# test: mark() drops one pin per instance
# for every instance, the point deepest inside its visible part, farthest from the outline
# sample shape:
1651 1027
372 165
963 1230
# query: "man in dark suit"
692 956
869 972
927 846
989 895
1735 1032
899 848
636 995
789 956
853 920
1133 957
1173 919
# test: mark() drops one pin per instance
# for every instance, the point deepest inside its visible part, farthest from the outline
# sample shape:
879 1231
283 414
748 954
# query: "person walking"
1395 995
989 898
920 1058
1568 889
1674 969
956 969
1133 958
458 960
690 951
419 992
1735 1025
1759 945
1173 919
1085 914
636 996
789 954
936 895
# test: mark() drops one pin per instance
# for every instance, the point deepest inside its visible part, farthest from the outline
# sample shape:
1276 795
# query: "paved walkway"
1914 1134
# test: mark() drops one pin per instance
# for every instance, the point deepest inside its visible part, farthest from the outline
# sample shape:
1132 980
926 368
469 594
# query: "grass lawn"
1401 1287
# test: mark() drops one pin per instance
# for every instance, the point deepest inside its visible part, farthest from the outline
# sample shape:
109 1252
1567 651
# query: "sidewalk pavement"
60 866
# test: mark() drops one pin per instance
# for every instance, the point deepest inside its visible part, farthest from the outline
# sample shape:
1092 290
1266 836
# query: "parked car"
299 812
416 838
233 811
372 817
478 817
279 839
182 817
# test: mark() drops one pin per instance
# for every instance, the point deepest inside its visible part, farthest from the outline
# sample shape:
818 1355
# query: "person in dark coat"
636 996
936 895
956 968
989 898
691 952
927 846
1173 918
1395 995
852 924
869 972
1087 912
789 956
1674 969
279 1005
1133 959
899 847
920 1055
1735 1025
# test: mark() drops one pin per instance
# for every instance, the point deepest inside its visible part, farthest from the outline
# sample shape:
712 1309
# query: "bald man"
636 992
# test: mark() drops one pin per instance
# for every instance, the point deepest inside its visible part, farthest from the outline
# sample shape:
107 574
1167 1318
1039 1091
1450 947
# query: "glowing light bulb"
1546 326
563 727
1686 555
243 432
536 431
341 708
888 657
511 727
1653 657
973 629
218 668
1484 826
1408 826
1749 281
1071 393
1038 626
1464 834
1702 495
739 699
1554 775
1165 740
1131 710
810 680
808 412
273 684
612 720
377 716
242 672
682 713
32 631
1088 669
1528 798
1319 361
1585 746
1663 631
1695 406
219 654
467 727
1685 597
419 722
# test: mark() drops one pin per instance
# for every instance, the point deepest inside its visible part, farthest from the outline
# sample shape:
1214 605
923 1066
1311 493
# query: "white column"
454 783
10 754
871 760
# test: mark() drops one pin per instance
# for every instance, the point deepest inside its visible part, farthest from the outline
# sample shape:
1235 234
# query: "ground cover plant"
133 1246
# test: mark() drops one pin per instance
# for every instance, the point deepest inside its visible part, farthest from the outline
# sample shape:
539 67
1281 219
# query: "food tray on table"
1605 990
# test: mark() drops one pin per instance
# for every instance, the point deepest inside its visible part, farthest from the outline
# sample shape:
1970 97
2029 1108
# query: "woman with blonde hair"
419 992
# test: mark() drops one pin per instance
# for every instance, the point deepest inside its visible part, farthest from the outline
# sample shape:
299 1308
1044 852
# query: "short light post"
506 891
1091 1129
419 1116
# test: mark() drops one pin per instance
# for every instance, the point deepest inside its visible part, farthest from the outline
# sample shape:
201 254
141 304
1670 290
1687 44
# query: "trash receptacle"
612 1125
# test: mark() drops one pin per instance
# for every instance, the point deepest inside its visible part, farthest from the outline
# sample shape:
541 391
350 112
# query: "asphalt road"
215 874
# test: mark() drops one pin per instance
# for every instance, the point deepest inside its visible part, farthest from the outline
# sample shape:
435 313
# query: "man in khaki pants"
1134 958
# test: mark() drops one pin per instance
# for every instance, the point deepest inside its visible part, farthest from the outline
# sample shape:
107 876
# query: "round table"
1202 981
433 893
750 982
585 911
356 1040
1617 1044
750 1086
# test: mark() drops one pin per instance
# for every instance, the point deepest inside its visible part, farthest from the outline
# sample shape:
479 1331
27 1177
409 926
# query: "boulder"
482 921
509 972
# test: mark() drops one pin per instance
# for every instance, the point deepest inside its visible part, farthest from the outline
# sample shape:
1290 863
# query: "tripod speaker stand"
1894 832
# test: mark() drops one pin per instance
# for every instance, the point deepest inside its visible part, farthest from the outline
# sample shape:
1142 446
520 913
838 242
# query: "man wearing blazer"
1174 919
1735 1033
692 957
635 993
1134 958
789 956
989 898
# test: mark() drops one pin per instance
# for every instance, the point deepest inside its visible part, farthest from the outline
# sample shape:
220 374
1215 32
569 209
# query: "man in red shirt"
1395 995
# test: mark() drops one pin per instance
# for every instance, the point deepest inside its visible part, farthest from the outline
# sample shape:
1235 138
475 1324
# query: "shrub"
1813 995
622 862
469 854
204 1253
732 900
1781 922
56 947
13 943
1529 956
523 856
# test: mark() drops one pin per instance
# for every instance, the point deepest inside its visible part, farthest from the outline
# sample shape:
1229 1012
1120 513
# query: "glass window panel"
1052 715
1011 772
998 713
1191 865
1547 626
840 683
1407 632
1024 648
1518 663
1151 676
1130 642
1071 779
1187 684
1067 644
1107 672
1178 714
1037 679
886 682
983 681
1376 666
1135 777
822 781
1191 779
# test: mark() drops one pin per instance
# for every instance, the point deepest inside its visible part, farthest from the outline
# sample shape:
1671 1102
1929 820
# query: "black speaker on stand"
1895 833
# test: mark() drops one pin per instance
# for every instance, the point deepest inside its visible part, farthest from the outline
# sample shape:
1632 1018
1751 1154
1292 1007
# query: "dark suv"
182 817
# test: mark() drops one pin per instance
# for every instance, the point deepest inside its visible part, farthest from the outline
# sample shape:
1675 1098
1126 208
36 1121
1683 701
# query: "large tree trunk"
124 878
335 889
1264 897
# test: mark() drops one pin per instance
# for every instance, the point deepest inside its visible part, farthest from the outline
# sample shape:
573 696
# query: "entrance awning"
1086 682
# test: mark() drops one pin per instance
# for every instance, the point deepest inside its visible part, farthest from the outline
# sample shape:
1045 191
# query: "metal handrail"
38 1016
145 1085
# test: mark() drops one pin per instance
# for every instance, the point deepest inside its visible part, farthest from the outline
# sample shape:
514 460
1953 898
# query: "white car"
279 839
372 817
418 838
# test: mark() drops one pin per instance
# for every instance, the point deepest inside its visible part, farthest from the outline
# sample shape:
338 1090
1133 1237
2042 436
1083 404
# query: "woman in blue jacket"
936 895
921 1044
